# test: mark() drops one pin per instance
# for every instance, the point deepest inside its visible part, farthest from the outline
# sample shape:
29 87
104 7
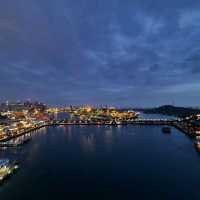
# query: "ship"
7 168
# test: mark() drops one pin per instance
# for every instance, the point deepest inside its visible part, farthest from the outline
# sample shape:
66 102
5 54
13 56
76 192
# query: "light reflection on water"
85 160
87 143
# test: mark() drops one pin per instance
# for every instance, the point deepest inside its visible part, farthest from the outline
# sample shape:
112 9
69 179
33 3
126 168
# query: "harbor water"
102 162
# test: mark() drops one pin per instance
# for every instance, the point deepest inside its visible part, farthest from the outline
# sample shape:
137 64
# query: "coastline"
172 123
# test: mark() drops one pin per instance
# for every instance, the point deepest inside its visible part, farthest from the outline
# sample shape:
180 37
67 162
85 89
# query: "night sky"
115 52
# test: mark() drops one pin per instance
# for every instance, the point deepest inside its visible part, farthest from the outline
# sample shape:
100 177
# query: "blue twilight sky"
115 52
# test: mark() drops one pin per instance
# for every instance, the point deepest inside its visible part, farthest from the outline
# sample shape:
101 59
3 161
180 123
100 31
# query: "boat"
166 129
7 168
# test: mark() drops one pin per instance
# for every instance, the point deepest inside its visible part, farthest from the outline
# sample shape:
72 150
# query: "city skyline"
133 53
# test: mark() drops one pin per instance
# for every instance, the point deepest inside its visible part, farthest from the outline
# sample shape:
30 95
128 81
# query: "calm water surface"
90 162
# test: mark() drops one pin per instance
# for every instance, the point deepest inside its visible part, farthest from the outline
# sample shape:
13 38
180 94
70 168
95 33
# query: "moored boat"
7 168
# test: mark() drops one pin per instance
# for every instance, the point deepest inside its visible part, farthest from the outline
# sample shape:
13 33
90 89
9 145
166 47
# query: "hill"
173 111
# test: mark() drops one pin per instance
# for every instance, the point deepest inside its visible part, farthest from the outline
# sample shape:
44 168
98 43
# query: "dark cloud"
100 52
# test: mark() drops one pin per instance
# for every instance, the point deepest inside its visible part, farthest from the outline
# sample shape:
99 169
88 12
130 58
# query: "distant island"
172 111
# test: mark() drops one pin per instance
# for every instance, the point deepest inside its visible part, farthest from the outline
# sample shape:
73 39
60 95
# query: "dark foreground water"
91 162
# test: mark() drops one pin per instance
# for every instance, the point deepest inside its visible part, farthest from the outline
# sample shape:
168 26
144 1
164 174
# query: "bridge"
134 122
178 124
154 122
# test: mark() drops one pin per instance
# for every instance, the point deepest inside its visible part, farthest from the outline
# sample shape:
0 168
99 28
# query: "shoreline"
172 123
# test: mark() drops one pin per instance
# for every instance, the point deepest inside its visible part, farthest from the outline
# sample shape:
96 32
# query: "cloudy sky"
115 52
